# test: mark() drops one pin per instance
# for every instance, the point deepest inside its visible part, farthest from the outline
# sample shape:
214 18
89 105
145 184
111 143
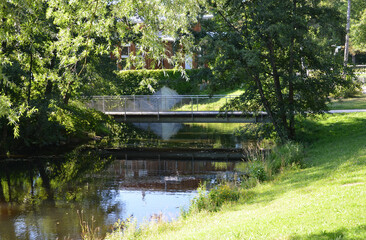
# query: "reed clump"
261 165
88 230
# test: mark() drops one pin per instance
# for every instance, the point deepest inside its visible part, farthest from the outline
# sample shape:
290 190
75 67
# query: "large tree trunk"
46 183
278 90
3 139
30 75
268 107
346 45
291 127
2 195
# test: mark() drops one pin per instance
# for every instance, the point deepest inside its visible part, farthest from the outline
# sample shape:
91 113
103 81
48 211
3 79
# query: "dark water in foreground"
46 197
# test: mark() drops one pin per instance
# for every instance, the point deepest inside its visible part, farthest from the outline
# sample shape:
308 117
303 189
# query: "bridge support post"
192 107
158 103
134 102
226 107
103 104
197 103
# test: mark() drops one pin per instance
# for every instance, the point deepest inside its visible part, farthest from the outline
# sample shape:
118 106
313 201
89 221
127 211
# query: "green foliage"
353 87
262 166
50 52
257 131
213 199
79 120
55 124
280 52
358 26
290 154
145 82
257 171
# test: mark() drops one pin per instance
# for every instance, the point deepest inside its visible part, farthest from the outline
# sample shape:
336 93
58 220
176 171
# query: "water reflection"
39 197
177 135
163 130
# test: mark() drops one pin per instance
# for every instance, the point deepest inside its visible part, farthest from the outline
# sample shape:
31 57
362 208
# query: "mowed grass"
357 102
214 104
210 104
324 200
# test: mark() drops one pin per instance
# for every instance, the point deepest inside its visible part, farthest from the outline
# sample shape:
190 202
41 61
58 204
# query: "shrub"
257 171
288 155
213 200
263 165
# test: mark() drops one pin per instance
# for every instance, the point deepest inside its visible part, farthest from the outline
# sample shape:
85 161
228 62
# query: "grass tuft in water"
88 230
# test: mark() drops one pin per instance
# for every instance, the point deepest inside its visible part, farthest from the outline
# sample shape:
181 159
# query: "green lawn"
358 102
214 104
324 200
211 104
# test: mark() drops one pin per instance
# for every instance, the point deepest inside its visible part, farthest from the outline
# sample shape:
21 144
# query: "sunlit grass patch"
357 102
209 104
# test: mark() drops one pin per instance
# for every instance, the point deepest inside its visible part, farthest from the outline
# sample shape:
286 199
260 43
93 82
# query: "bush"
288 155
352 88
257 171
263 165
213 200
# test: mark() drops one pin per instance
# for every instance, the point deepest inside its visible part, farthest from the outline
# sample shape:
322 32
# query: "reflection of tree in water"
191 135
30 188
128 135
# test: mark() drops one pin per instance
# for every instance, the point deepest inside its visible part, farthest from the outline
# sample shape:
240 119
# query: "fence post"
158 103
226 107
134 103
103 104
125 107
197 102
192 107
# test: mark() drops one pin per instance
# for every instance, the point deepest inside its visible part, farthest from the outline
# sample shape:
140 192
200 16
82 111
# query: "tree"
281 51
48 48
348 27
358 28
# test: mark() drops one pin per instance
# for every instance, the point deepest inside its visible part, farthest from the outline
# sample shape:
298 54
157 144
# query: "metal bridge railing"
158 103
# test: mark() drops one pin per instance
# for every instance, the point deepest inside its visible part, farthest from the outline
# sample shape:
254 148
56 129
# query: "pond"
152 175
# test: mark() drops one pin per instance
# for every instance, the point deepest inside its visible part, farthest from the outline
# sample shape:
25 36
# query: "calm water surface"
151 174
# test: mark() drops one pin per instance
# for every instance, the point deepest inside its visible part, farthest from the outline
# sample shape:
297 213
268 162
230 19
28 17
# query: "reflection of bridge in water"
176 108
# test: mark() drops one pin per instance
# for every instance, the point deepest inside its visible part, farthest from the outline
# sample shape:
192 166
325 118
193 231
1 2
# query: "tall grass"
88 230
260 167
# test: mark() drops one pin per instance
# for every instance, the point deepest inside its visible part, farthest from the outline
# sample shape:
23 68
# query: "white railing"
158 103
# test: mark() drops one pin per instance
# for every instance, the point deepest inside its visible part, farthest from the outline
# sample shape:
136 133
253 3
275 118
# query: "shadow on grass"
335 142
339 234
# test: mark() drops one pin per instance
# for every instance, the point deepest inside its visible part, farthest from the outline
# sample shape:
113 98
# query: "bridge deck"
189 116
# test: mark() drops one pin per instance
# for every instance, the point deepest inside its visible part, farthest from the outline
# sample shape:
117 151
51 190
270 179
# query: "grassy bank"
324 200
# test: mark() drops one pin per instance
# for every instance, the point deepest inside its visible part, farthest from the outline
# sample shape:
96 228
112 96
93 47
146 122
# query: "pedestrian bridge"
173 108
